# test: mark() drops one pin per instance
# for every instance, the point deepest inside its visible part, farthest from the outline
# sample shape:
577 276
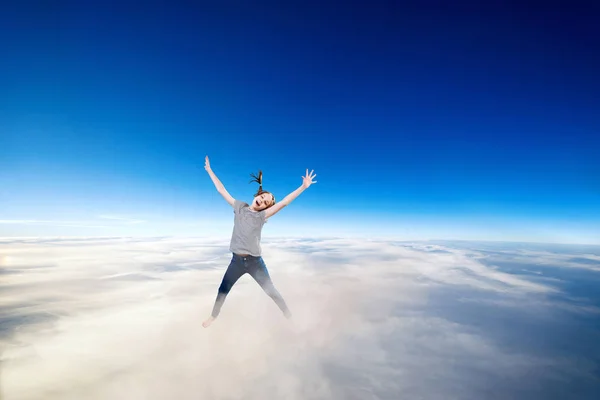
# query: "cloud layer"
105 318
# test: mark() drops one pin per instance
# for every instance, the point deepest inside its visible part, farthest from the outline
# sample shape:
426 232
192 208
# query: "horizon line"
267 237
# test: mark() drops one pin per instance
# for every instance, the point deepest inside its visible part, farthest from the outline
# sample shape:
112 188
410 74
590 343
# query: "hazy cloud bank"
105 318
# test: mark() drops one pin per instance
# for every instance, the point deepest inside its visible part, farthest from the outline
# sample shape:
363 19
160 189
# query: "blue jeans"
255 266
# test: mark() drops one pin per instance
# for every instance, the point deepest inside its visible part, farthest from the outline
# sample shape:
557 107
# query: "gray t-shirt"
247 228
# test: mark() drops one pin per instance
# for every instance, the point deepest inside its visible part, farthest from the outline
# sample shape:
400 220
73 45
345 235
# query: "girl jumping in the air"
245 239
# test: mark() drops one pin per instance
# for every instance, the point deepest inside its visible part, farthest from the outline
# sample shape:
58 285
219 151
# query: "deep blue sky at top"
429 109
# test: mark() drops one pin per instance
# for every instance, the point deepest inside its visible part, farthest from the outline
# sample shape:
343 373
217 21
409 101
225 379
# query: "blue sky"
474 122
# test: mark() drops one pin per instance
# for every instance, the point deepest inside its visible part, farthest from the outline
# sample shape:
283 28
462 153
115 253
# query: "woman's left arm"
307 180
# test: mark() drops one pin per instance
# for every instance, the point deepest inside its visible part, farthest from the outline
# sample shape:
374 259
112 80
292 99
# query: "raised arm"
220 188
307 180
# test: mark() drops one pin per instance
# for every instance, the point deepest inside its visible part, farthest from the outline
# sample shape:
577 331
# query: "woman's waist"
243 255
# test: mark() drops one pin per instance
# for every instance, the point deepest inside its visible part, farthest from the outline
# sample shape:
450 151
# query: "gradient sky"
450 122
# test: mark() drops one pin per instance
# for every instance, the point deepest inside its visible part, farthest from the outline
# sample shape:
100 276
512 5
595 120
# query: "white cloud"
121 225
72 224
107 318
40 221
22 221
124 219
544 258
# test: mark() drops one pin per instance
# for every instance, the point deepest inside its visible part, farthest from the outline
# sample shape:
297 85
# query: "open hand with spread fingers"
307 180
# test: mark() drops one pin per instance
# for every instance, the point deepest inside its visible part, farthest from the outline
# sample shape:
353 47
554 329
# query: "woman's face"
263 201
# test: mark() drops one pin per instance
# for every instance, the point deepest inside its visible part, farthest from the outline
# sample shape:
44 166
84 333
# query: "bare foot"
207 323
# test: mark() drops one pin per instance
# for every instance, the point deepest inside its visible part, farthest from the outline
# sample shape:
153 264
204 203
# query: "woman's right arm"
220 188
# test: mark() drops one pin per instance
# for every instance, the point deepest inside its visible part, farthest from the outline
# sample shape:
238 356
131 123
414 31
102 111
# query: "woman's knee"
271 291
